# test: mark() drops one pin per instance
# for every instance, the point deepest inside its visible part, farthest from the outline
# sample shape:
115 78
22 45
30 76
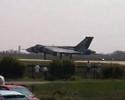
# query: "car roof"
11 85
8 92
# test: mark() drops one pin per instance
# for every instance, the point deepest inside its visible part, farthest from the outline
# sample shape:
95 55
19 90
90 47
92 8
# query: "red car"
20 89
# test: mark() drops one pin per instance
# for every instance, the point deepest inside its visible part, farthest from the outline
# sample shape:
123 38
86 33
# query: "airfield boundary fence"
82 70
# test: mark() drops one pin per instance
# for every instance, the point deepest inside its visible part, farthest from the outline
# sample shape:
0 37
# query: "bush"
112 71
11 68
61 69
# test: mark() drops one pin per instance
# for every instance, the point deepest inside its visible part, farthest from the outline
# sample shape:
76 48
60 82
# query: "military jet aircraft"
81 49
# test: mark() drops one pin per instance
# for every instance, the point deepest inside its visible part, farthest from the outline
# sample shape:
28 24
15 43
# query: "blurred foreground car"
21 89
11 95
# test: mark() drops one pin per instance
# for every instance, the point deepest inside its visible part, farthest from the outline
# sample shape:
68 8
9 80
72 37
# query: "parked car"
21 89
11 95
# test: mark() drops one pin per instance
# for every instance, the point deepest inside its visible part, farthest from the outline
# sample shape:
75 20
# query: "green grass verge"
81 90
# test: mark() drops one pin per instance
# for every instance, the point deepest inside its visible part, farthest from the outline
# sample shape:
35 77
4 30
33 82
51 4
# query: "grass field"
81 90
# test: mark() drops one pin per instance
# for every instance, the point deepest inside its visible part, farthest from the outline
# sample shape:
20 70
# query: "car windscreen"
22 90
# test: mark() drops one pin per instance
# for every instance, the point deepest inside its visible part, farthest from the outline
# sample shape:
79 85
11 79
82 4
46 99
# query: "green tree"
11 68
62 69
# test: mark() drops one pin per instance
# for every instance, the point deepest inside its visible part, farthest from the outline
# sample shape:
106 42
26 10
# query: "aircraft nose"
29 49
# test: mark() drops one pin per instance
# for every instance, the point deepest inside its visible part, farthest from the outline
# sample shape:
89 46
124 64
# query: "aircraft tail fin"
84 44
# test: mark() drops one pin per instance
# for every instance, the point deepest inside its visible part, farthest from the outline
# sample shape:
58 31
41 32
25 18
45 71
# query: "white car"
11 95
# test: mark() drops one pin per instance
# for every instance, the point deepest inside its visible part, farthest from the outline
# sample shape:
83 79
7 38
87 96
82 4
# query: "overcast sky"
62 22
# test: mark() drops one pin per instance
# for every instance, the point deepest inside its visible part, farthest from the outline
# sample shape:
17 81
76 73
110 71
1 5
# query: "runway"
76 61
108 62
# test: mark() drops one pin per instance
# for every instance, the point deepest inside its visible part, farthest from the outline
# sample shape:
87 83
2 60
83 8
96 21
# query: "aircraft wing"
61 50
